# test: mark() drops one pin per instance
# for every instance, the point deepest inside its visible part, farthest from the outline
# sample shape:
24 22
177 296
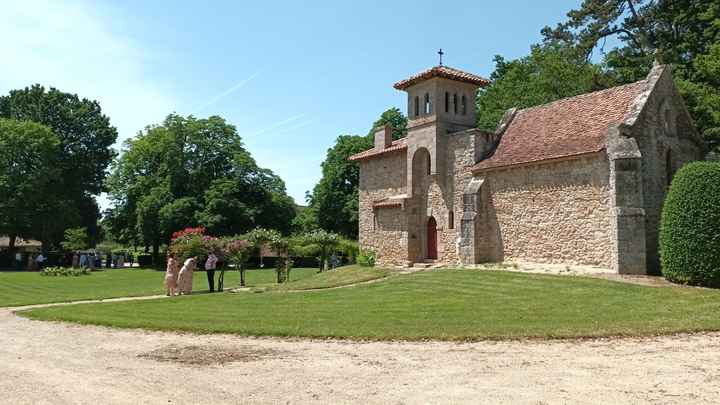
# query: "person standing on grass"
40 260
185 277
75 259
210 265
18 261
171 275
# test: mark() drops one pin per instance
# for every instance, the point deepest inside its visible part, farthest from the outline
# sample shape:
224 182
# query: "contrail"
279 124
296 127
227 92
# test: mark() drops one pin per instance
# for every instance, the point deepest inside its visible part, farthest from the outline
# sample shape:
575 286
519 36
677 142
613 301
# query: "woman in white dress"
185 277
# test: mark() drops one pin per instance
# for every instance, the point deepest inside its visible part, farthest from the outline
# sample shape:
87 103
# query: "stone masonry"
578 181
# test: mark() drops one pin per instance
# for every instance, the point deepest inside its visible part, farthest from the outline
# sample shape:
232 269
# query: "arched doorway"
432 239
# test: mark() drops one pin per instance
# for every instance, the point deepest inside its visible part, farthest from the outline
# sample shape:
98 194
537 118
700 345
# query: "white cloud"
79 48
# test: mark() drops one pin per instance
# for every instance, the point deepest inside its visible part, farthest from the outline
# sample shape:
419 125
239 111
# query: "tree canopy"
187 172
683 33
85 139
549 73
29 154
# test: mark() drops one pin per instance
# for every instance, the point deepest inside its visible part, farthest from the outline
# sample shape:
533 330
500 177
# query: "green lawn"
447 305
332 278
25 288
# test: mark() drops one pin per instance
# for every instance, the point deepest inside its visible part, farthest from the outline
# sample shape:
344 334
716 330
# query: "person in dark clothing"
210 265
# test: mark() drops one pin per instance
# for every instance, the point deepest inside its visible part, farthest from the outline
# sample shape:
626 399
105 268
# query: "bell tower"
441 101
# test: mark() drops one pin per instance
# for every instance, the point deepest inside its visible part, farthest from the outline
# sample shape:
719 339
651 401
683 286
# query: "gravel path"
48 362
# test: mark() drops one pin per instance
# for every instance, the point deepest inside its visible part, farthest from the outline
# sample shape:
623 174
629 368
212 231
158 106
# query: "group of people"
34 262
179 280
90 260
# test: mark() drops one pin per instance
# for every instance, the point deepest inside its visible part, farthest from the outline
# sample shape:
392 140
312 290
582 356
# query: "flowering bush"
192 242
237 250
188 232
64 271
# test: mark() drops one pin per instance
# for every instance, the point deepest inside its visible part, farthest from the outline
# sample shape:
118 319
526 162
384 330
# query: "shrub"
366 258
690 226
64 271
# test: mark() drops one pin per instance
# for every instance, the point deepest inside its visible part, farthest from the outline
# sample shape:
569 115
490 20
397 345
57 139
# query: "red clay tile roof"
444 72
567 127
400 144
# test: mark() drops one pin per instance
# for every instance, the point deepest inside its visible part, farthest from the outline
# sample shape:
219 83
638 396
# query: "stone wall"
383 229
556 212
665 135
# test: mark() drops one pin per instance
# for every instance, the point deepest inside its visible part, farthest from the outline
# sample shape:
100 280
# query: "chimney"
383 137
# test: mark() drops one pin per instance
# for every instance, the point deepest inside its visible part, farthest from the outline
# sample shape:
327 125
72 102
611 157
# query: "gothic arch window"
417 106
428 107
455 103
429 164
464 105
447 102
668 119
669 172
451 220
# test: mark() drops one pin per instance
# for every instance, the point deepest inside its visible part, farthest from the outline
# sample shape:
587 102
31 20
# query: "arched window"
669 172
455 103
464 105
668 121
451 219
428 164
428 107
417 106
447 102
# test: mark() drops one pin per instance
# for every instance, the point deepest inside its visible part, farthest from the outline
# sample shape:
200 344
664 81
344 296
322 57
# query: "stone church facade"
577 181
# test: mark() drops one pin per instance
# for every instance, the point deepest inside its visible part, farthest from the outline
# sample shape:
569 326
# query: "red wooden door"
431 238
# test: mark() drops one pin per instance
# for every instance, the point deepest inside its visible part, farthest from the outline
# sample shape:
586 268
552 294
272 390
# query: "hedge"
690 226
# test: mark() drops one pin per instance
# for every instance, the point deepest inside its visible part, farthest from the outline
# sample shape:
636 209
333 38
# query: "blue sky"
291 76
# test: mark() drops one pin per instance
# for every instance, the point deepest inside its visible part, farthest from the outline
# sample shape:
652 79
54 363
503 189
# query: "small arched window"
429 164
451 219
669 172
668 121
455 103
417 106
428 107
464 105
447 102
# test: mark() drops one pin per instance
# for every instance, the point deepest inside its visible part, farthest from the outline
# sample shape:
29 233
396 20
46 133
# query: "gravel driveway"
46 362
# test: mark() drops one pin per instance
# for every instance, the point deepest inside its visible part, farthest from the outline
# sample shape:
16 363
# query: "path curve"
63 363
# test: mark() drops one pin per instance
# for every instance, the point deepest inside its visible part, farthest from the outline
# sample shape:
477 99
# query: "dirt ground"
56 363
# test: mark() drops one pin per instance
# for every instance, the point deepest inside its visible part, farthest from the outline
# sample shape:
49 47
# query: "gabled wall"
661 124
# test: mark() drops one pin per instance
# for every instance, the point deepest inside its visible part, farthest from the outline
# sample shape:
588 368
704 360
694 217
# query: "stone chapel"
578 181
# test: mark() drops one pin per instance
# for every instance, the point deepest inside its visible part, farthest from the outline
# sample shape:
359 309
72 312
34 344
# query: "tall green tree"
187 172
395 118
85 136
549 73
683 33
29 154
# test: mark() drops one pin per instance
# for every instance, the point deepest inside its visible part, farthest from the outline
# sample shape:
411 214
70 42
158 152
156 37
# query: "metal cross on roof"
441 53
